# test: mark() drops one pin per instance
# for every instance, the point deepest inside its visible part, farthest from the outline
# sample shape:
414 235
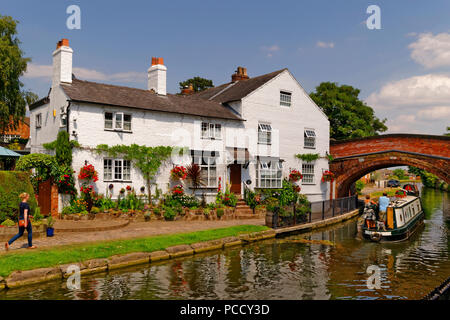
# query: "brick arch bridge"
356 157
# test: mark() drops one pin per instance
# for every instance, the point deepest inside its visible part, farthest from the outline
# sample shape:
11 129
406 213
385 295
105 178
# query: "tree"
63 149
198 83
448 132
349 116
400 173
13 100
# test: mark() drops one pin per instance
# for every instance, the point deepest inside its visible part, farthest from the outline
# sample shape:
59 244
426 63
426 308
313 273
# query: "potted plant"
50 229
147 216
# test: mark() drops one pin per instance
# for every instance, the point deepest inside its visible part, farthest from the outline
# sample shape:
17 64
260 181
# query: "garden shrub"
220 212
8 223
169 213
95 210
12 184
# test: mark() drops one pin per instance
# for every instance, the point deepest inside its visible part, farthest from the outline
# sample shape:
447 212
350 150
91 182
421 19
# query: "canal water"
285 269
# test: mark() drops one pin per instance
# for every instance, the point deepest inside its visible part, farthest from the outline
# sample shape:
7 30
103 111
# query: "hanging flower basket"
400 194
88 172
327 176
295 176
178 173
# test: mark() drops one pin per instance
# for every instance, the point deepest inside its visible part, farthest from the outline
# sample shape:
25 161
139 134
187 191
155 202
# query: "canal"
284 269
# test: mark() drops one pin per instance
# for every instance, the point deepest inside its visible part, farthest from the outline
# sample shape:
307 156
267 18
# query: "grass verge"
48 257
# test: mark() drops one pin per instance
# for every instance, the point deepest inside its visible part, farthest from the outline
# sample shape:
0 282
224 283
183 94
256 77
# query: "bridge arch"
357 157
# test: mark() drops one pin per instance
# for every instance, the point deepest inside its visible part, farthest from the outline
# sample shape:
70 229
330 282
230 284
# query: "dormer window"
310 138
117 121
211 130
285 99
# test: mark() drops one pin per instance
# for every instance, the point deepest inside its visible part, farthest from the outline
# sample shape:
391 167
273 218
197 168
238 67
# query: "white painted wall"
263 105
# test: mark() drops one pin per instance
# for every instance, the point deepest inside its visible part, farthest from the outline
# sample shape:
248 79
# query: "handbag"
22 223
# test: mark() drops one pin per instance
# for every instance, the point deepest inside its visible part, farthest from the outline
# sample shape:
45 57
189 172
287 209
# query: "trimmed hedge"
13 183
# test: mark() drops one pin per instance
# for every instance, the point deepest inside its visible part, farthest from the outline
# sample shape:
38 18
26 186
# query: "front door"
235 178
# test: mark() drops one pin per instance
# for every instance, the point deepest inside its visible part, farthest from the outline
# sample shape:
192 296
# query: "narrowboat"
411 189
404 216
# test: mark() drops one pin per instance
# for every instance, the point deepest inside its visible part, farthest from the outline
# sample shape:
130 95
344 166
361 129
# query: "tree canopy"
13 99
448 132
349 116
198 83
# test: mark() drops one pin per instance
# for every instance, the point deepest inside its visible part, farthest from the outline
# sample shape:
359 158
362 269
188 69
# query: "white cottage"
246 132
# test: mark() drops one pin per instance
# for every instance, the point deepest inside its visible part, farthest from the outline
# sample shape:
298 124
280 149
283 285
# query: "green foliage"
147 159
95 210
50 221
288 195
220 212
198 83
66 210
169 213
37 214
330 157
104 203
12 184
349 116
157 211
448 132
359 185
428 179
45 167
400 173
63 149
13 100
308 157
206 211
130 202
8 223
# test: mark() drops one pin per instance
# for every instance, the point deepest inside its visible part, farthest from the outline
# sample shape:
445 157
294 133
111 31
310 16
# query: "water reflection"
280 269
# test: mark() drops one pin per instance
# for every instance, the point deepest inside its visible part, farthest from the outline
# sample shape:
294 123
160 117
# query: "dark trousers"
21 231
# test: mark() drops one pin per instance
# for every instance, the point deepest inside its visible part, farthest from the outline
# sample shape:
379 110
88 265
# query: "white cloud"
270 50
45 71
419 104
425 90
325 45
431 51
435 113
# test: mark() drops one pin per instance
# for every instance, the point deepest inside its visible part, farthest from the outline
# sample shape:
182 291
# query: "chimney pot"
240 74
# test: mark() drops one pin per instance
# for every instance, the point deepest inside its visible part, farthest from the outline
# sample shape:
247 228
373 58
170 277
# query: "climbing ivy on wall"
308 157
147 159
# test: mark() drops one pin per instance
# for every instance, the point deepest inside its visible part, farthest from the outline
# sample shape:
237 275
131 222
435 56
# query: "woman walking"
24 222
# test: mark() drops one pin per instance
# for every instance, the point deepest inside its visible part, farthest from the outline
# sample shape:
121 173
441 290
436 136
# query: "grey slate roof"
236 91
106 94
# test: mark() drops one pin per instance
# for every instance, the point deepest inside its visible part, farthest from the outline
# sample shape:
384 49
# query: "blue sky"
403 70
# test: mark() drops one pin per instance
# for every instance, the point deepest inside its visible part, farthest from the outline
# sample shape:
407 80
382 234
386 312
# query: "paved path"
133 230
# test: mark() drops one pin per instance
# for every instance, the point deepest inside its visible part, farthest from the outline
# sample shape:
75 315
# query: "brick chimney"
187 90
157 76
62 63
240 74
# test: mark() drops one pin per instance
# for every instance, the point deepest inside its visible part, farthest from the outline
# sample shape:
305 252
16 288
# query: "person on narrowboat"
370 212
383 203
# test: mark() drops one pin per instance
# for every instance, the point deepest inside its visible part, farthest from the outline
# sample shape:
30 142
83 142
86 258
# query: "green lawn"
47 257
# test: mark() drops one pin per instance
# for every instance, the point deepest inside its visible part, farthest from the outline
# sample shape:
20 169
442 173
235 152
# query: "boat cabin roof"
400 202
